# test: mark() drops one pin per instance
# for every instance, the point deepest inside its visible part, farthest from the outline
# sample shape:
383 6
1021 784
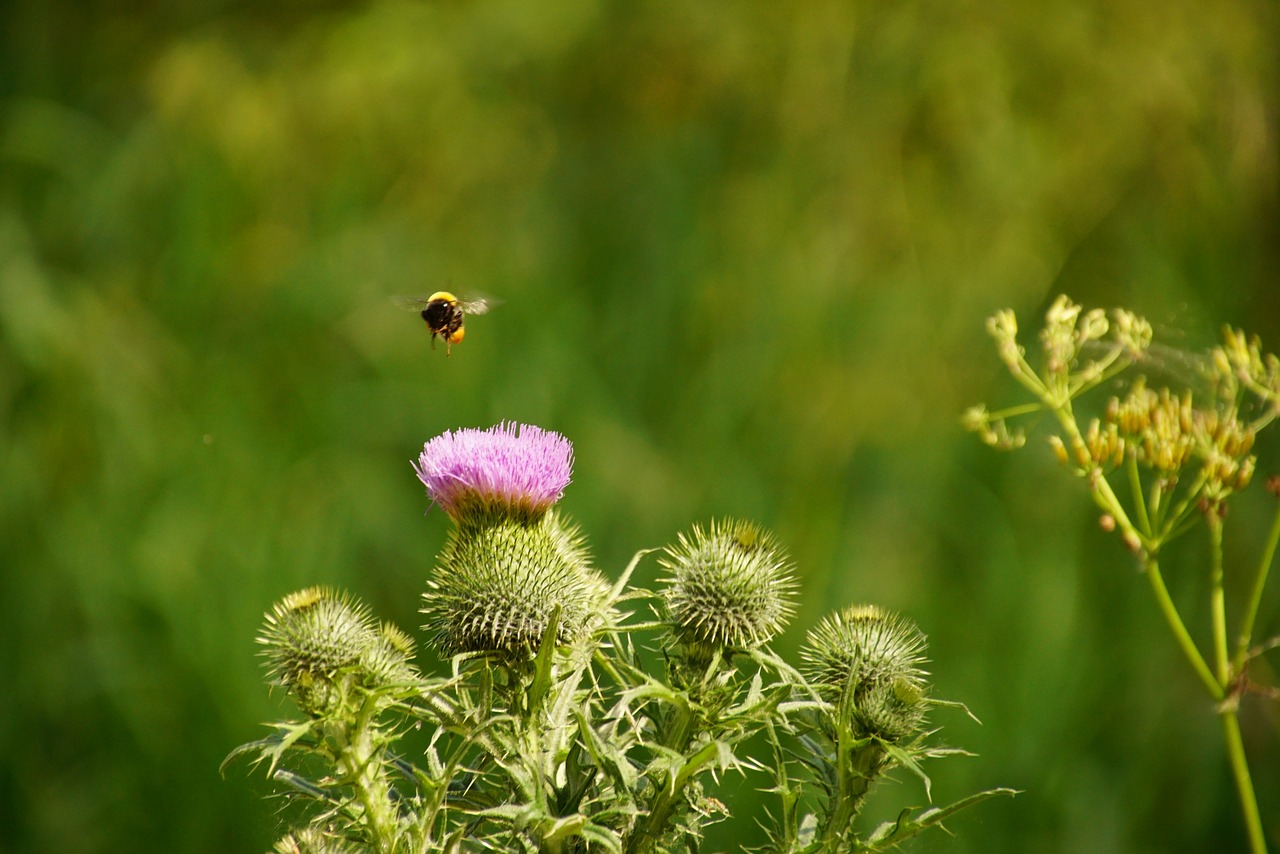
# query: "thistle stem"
679 733
855 769
368 777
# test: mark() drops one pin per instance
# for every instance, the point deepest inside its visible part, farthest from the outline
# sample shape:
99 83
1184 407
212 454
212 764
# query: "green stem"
1244 783
678 733
1135 484
1103 495
855 769
1245 638
1217 599
368 775
1179 629
1185 506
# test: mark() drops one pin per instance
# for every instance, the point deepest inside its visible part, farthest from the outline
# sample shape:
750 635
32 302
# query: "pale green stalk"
1244 783
1188 646
1217 599
1245 638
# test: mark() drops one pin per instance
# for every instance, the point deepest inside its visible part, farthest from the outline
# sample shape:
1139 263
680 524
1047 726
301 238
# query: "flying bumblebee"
444 314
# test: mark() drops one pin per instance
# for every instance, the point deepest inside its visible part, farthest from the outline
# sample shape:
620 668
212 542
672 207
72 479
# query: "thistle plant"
569 722
1158 462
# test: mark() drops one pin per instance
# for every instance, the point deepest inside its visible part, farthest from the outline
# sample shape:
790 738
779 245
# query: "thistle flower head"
868 661
316 642
508 470
730 586
497 587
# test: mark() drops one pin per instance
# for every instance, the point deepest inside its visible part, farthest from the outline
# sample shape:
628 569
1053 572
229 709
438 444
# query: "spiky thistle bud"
317 642
869 661
389 660
730 586
508 470
497 586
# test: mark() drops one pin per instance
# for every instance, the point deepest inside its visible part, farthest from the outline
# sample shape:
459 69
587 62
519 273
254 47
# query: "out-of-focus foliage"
744 251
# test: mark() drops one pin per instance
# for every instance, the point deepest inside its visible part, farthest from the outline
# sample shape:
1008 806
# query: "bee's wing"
479 305
410 303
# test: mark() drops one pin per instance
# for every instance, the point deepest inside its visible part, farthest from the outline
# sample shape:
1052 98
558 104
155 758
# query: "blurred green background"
745 253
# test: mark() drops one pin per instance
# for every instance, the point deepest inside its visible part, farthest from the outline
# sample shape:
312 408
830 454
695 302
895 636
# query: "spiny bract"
730 586
497 586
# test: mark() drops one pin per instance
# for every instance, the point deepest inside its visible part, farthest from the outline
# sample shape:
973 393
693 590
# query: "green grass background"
745 252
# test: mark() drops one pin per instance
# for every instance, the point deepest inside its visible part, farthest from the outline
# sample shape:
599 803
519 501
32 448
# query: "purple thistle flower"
511 469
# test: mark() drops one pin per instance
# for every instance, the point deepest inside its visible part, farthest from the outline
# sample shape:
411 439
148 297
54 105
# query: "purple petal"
516 466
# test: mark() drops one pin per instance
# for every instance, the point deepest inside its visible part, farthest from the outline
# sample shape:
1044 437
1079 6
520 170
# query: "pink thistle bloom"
511 469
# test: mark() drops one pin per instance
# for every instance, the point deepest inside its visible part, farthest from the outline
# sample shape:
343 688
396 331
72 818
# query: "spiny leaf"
272 747
892 833
906 760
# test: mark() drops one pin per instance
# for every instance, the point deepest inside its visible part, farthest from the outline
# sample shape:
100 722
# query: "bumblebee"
444 314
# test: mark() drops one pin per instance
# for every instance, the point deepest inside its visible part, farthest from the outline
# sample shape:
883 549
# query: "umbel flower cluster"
566 721
1163 453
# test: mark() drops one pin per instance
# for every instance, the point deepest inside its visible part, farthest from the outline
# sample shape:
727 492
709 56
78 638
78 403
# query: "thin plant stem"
1189 649
1171 529
1135 484
1103 494
1244 783
1245 637
1217 599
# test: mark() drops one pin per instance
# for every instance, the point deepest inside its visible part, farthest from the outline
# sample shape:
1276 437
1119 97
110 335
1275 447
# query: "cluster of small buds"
1241 358
1134 333
1067 328
1104 444
324 647
1159 425
1167 431
730 586
1226 444
1059 335
1003 327
1243 355
510 566
870 661
992 431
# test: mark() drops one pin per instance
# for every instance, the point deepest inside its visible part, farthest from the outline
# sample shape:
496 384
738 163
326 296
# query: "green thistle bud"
316 640
389 661
497 586
730 586
870 660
